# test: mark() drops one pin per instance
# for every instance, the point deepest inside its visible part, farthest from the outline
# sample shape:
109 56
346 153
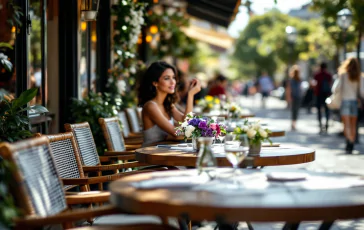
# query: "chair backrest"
66 156
139 111
37 186
112 133
125 124
85 143
133 119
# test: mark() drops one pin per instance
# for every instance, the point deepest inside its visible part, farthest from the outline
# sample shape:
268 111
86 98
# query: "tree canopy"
263 44
330 8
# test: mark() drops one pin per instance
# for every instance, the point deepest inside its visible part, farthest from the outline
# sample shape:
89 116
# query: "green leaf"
25 133
37 108
4 44
25 97
7 64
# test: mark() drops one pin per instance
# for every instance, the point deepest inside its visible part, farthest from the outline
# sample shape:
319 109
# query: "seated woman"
157 95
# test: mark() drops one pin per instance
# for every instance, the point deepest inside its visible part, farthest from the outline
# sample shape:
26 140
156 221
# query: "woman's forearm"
189 103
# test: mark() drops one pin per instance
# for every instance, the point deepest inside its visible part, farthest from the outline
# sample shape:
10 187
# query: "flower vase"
254 148
195 144
206 160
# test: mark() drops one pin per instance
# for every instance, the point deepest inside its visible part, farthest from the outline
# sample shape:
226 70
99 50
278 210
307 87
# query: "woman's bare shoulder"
150 105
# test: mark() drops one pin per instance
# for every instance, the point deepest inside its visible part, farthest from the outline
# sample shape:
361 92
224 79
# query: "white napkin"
171 182
187 149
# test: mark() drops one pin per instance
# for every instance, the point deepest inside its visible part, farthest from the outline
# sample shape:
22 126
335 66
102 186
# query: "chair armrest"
120 153
132 147
134 138
68 216
138 134
113 166
115 158
87 197
91 180
134 141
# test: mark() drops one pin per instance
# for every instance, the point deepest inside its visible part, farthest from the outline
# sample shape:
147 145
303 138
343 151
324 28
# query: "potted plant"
14 126
256 135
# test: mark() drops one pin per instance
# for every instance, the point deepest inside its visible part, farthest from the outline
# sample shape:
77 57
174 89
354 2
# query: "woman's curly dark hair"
147 90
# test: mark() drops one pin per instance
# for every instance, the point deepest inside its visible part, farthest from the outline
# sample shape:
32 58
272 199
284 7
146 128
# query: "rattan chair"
126 128
89 157
39 193
132 116
69 165
113 135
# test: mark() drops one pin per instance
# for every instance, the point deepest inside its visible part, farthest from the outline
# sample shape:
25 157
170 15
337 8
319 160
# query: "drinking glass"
236 149
230 137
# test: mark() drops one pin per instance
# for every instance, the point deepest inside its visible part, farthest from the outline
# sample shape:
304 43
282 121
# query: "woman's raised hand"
195 86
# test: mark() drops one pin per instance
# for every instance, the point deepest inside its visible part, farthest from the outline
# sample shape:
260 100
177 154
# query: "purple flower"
203 125
207 133
194 122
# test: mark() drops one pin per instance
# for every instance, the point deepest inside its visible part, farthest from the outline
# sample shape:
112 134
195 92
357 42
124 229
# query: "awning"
212 37
219 12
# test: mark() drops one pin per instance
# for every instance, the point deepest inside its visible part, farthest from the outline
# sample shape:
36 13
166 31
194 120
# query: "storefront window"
36 74
88 58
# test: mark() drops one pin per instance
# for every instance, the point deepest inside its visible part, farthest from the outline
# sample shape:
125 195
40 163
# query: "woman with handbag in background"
351 87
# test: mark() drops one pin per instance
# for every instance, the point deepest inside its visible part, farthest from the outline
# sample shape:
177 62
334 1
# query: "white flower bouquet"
256 134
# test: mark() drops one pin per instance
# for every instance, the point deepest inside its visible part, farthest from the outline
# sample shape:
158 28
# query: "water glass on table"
236 149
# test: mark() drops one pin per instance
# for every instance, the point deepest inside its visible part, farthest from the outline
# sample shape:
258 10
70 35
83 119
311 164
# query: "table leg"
291 226
326 225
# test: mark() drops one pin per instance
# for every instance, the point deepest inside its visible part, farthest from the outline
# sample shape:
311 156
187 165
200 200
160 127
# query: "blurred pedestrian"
322 91
295 92
265 85
351 87
219 88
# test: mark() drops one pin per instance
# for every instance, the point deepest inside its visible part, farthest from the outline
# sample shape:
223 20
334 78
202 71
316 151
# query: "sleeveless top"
154 134
295 89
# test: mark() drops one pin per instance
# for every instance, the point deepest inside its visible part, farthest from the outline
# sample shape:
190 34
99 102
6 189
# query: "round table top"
319 196
172 155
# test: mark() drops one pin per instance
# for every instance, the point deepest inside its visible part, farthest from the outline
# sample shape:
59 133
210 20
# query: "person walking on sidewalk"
265 85
295 93
322 91
351 87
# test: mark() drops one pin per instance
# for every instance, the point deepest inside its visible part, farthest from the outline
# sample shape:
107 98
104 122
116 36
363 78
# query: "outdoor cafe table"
172 155
291 196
